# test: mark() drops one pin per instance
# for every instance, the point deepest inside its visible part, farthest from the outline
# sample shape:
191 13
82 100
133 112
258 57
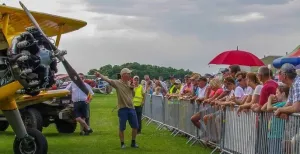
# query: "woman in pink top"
212 91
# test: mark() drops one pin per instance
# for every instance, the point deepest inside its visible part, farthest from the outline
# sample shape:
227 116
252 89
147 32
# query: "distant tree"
142 69
92 71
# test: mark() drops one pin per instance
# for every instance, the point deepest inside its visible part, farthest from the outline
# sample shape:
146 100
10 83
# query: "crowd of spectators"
248 91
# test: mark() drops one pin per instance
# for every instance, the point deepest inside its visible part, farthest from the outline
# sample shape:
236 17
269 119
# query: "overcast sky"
178 33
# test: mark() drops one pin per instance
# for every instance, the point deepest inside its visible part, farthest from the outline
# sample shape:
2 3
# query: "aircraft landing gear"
34 143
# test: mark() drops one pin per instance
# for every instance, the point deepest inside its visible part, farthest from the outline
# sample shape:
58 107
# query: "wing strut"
60 31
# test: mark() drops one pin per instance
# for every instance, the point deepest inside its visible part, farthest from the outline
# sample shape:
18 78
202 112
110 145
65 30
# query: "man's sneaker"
123 146
90 131
83 133
134 145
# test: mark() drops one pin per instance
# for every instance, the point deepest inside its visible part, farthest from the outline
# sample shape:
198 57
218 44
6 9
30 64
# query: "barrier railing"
225 130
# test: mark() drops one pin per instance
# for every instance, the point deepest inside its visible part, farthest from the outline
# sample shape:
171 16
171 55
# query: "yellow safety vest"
179 89
138 97
171 89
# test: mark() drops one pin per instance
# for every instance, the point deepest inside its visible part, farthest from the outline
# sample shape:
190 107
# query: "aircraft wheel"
34 143
65 126
33 119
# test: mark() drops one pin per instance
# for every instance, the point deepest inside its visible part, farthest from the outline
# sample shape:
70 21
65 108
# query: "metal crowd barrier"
176 115
225 130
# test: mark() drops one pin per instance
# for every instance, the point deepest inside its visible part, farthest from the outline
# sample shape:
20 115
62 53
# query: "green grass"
105 137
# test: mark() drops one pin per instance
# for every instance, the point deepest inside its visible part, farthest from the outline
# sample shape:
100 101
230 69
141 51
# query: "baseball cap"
178 81
125 70
225 70
136 77
195 76
208 75
288 68
187 76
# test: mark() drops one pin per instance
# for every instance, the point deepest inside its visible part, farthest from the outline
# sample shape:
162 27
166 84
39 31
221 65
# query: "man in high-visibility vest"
138 101
172 86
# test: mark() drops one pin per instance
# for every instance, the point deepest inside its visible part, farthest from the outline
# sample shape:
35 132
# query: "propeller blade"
71 72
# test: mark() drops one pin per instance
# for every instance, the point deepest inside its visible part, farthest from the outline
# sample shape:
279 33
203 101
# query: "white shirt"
238 92
164 85
248 91
257 90
78 94
201 92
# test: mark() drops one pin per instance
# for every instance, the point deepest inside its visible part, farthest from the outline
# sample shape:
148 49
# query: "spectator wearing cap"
209 77
176 93
126 111
138 101
288 75
178 85
269 87
225 72
172 87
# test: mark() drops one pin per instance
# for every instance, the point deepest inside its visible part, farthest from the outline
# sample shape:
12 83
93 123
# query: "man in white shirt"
201 91
80 101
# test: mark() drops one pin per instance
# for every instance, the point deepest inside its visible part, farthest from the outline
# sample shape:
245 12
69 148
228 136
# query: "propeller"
71 72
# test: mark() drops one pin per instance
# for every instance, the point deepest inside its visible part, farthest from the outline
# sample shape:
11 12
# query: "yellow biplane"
28 62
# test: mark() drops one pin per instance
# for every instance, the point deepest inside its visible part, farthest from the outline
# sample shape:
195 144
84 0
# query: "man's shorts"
80 109
125 114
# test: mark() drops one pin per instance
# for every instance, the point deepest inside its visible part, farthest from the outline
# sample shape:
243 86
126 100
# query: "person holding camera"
126 111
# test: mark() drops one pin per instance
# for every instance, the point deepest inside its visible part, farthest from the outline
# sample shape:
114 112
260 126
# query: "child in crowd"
276 125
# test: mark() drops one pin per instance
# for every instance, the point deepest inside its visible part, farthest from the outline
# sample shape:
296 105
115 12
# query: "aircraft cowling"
34 62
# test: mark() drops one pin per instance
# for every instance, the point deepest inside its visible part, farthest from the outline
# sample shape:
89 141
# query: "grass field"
105 137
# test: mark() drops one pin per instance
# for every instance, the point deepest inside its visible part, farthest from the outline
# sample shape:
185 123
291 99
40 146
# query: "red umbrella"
237 57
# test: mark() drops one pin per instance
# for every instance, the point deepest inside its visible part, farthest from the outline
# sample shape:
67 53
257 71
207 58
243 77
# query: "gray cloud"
264 2
191 33
194 17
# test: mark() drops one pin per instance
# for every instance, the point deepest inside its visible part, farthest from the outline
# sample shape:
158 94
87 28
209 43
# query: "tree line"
140 70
